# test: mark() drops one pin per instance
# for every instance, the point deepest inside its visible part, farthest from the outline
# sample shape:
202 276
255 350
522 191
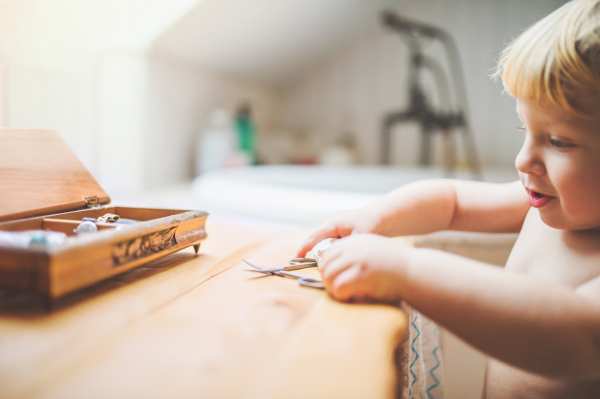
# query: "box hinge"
93 202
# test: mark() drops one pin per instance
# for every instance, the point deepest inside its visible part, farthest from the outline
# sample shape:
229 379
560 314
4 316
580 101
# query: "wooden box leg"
196 248
47 302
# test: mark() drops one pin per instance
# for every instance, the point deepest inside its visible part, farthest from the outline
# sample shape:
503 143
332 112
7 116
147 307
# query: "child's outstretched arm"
537 325
431 205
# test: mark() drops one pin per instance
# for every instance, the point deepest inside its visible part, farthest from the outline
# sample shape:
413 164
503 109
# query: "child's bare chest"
569 258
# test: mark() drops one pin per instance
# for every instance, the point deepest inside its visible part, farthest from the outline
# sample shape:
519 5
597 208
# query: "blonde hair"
557 58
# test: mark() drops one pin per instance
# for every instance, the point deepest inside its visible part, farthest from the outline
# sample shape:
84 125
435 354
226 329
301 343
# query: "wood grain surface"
202 326
40 174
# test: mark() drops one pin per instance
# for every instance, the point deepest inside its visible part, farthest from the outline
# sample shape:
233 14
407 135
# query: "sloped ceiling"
269 41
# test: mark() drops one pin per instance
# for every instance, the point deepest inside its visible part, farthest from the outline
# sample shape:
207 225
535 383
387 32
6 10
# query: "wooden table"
202 326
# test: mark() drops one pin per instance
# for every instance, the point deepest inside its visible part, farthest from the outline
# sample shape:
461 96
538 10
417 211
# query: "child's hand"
338 225
365 266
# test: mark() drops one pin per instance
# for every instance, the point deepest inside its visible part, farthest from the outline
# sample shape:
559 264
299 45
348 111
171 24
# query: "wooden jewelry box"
44 186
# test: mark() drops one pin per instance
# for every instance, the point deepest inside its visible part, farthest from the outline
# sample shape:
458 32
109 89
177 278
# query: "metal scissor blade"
265 272
301 276
265 269
303 279
256 266
294 266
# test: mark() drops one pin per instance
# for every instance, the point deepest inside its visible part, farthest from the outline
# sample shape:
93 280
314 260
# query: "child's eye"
558 144
521 128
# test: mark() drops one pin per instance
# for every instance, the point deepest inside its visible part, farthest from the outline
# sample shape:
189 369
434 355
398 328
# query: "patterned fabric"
423 357
421 365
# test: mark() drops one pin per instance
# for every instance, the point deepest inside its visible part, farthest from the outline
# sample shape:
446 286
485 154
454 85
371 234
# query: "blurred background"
142 90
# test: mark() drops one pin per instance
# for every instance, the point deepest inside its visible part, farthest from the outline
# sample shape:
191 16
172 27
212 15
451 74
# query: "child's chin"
560 222
554 219
551 222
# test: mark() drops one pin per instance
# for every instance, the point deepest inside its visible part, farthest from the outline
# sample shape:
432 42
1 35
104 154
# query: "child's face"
559 165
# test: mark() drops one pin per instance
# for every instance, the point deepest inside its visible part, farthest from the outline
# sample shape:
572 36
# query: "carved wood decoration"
141 247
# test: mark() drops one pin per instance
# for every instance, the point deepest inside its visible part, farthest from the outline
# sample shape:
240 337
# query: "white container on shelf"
216 147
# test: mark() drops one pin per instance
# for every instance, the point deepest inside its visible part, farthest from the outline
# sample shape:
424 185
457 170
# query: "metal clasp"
93 202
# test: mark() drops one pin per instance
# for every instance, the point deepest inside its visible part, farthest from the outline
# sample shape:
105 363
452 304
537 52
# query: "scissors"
300 263
295 264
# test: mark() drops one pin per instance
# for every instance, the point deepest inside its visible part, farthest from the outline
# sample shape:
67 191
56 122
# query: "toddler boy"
539 317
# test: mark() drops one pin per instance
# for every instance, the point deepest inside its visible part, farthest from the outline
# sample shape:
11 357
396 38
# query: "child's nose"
529 160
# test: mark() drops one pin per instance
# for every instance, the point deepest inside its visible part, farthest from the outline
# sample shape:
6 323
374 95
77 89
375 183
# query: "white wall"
152 110
40 96
131 115
354 87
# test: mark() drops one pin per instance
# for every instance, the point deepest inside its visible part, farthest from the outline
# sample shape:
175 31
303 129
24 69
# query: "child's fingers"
332 265
330 254
348 284
314 239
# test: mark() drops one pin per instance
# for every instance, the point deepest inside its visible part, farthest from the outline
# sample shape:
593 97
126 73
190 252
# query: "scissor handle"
312 284
303 261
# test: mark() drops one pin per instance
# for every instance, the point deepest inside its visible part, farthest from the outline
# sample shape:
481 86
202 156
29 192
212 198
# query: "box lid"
40 174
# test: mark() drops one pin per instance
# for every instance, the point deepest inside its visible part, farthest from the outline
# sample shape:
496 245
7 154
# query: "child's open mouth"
537 200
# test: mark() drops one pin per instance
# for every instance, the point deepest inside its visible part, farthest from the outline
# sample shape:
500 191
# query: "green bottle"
246 132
